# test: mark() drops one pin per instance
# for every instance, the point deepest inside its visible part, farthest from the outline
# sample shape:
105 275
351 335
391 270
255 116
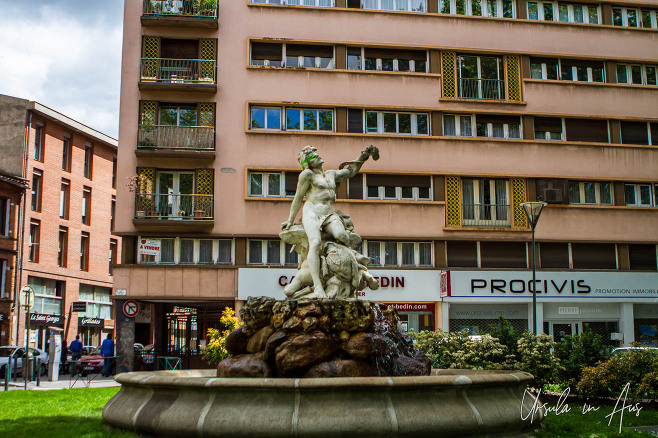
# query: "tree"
215 351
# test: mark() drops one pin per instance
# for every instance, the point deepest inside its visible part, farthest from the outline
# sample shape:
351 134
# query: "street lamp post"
532 212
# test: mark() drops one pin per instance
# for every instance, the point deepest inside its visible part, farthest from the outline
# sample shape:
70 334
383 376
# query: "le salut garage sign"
394 285
507 284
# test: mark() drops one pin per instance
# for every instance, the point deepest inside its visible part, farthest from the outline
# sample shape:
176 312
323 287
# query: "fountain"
323 363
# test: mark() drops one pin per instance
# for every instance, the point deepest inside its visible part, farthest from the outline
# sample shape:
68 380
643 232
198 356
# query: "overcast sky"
66 55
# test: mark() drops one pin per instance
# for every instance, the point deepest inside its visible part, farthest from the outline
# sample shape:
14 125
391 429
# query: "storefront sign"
92 322
149 246
40 318
394 285
579 285
79 306
488 311
121 292
569 311
412 307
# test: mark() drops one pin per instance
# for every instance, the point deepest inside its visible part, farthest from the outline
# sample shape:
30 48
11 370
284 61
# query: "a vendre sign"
394 285
149 246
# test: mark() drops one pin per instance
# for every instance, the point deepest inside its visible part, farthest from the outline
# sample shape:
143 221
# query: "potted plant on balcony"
136 184
199 213
208 7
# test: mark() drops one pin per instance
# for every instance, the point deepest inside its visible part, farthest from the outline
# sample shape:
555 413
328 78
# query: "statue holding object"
329 267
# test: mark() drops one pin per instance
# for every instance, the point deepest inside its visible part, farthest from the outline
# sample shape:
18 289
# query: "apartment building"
64 247
475 105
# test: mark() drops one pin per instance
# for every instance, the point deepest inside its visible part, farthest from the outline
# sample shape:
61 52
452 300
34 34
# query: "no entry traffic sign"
130 308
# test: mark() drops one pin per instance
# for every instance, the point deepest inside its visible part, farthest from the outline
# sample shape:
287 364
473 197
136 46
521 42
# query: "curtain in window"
449 126
465 126
290 255
255 251
374 253
167 251
468 200
187 251
370 4
408 254
224 251
501 200
425 253
205 251
387 5
274 252
390 254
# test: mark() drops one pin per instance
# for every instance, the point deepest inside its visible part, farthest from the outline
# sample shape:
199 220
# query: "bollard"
14 368
38 371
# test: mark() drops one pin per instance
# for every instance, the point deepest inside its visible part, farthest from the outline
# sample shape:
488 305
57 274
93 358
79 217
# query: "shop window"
637 74
590 192
462 254
374 59
384 122
47 295
271 252
479 8
37 187
603 329
548 128
481 77
632 17
191 251
588 130
503 255
272 184
62 247
391 253
635 133
567 70
99 303
638 195
642 257
396 5
554 255
394 187
563 12
594 256
66 154
35 236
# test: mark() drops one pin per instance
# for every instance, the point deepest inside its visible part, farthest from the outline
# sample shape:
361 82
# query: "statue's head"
305 155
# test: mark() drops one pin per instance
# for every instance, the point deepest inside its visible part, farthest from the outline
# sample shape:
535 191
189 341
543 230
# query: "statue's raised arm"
354 166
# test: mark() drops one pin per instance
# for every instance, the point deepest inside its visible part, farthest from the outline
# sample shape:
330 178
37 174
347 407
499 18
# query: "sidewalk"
62 383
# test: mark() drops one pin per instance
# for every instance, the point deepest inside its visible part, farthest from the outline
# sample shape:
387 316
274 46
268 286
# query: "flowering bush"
215 351
537 359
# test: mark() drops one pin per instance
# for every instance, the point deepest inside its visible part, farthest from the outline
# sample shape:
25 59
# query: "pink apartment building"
476 106
65 249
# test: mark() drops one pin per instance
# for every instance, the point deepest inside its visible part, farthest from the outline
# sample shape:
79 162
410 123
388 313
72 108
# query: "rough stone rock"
324 323
259 339
309 323
277 338
365 345
244 365
293 324
407 366
257 312
303 350
282 310
342 368
344 336
352 315
311 310
236 341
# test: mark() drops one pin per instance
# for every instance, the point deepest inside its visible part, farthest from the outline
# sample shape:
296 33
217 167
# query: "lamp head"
533 211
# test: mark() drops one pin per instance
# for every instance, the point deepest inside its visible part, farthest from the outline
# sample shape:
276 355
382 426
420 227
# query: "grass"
60 413
594 424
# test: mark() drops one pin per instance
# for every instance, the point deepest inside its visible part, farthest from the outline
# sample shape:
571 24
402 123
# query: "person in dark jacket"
107 351
76 353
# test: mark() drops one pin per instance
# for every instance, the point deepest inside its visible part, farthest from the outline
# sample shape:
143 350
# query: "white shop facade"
621 306
416 294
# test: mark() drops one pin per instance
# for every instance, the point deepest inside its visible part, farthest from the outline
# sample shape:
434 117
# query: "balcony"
180 13
174 210
486 215
176 141
178 74
490 89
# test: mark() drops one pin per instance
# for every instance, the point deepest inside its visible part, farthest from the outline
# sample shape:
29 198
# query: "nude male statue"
318 214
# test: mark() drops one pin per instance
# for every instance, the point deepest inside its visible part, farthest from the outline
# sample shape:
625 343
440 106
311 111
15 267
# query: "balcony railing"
486 215
493 89
176 137
173 206
195 8
178 71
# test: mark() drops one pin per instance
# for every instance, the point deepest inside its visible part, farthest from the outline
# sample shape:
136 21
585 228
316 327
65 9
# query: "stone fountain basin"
446 403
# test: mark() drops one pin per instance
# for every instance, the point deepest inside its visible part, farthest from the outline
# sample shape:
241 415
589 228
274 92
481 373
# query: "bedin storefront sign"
394 285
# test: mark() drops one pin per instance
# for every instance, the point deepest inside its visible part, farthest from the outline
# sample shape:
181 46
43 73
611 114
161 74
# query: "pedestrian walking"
76 353
107 351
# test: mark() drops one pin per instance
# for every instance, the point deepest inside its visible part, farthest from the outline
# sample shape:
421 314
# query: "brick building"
66 249
476 106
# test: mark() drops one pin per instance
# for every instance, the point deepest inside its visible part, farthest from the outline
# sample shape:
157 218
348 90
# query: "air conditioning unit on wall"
553 191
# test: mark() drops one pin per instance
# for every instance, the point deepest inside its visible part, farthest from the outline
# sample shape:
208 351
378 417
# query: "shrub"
507 335
537 359
577 352
215 351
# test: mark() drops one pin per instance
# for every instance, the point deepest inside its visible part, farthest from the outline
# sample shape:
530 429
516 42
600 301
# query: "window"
5 216
588 130
177 115
35 234
481 77
64 198
457 125
630 17
503 255
565 12
37 183
638 195
309 119
271 252
590 192
480 8
38 143
114 172
567 70
113 254
642 257
381 122
191 251
99 303
62 247
84 251
89 153
594 255
396 5
398 187
86 205
267 118
462 254
292 55
485 202
4 272
360 58
48 295
637 132
637 74
113 210
273 184
548 128
391 253
325 3
66 154
492 126
554 255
